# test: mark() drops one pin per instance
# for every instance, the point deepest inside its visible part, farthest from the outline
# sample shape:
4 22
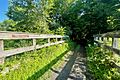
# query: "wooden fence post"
49 40
112 41
99 38
1 49
105 40
34 43
115 42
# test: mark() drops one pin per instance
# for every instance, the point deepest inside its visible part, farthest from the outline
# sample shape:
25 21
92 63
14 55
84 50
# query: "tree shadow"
39 73
64 74
75 67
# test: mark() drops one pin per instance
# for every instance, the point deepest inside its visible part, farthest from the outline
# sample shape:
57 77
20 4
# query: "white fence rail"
19 35
110 40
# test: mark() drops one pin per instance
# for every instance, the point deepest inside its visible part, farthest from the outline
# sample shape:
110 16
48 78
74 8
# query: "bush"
100 64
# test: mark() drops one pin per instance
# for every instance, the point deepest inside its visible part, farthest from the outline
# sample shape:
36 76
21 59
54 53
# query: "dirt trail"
74 67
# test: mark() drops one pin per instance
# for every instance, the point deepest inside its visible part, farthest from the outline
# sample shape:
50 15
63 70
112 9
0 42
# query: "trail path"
74 67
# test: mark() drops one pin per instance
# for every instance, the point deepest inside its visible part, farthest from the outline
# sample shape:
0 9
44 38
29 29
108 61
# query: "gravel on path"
73 68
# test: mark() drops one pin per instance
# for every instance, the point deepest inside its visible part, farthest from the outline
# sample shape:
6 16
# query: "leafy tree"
7 25
86 18
80 19
29 15
58 8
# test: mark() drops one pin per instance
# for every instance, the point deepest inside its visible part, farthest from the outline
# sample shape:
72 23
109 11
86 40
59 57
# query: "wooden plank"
49 40
115 34
1 45
46 45
2 60
100 39
105 40
115 43
24 49
19 35
1 50
14 35
16 51
96 38
117 51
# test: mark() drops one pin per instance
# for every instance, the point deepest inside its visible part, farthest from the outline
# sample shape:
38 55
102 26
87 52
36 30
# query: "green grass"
57 66
31 63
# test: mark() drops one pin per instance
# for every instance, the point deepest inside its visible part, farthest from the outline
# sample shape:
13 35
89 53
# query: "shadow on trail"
64 74
39 73
75 67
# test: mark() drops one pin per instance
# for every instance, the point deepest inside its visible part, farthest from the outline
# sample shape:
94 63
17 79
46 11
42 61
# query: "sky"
3 9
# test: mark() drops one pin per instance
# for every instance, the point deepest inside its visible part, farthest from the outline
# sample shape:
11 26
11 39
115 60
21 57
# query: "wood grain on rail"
5 35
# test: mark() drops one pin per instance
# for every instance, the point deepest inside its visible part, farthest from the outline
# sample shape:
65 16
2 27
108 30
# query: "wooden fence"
20 36
110 40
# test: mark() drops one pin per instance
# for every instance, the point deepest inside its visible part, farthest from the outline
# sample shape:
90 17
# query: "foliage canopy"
80 19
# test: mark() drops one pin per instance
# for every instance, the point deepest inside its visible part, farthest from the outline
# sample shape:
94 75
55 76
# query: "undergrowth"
33 65
101 63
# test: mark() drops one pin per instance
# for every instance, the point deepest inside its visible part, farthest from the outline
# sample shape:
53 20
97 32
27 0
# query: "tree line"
80 19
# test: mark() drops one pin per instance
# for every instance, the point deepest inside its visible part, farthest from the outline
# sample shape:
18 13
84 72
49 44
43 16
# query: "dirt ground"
73 67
